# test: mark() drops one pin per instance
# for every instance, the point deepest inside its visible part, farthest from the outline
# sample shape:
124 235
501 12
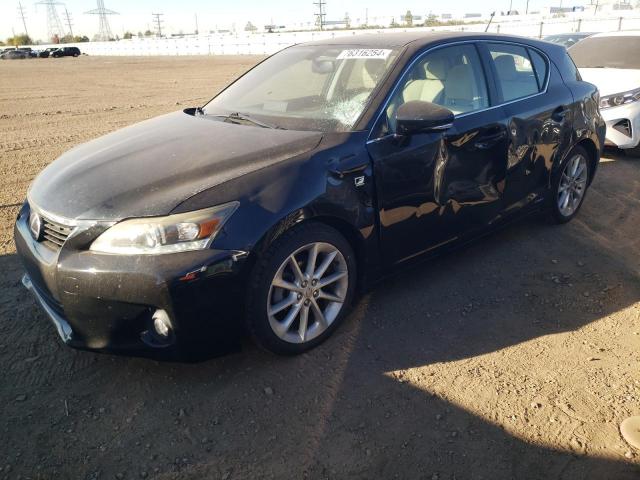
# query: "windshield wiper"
237 117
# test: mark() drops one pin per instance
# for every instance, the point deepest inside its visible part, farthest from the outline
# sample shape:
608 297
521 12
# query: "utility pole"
321 13
104 29
526 11
197 30
54 25
24 22
66 14
366 16
157 17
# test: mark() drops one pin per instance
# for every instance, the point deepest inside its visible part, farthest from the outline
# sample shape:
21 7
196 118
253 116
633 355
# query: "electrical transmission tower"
157 17
22 15
104 30
54 25
321 13
69 24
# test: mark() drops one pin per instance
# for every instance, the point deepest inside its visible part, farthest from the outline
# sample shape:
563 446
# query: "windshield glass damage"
323 88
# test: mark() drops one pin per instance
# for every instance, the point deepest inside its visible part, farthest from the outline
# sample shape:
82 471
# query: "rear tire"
301 289
569 185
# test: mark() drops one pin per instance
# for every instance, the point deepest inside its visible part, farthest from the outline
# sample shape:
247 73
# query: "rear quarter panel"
588 125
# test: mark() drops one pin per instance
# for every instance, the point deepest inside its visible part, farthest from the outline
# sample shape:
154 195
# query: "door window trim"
488 76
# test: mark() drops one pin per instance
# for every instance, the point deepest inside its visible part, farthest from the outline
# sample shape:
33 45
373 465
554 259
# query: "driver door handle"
484 142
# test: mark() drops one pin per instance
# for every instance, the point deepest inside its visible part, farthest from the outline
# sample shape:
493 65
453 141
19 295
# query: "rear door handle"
559 113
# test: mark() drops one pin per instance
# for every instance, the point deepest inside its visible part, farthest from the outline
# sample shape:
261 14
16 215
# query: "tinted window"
539 66
569 69
516 76
451 77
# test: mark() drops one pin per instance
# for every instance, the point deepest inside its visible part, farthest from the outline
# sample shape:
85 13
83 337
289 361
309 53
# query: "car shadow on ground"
374 401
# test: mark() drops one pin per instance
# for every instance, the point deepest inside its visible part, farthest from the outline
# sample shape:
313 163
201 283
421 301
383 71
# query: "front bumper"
623 125
106 302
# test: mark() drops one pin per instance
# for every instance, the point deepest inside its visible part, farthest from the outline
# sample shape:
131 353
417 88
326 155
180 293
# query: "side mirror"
422 117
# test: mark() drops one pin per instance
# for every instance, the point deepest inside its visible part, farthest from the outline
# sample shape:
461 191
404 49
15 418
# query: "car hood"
612 80
149 168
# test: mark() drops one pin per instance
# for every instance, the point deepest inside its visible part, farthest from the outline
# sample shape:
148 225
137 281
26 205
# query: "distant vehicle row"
22 53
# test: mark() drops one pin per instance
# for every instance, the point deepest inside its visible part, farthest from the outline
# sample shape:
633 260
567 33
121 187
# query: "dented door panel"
432 188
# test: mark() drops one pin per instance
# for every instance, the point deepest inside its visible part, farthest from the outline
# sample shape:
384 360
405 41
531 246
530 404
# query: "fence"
268 43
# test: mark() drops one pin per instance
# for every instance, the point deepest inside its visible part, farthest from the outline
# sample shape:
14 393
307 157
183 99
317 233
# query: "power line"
157 17
24 22
69 24
104 29
54 25
321 13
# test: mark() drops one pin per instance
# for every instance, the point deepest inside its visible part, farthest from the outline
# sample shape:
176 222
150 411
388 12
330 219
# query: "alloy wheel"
573 185
307 292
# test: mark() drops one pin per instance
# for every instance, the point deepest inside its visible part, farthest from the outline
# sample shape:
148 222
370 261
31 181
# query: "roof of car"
400 39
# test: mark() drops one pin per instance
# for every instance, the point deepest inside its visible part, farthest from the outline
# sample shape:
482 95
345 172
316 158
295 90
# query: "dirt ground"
515 358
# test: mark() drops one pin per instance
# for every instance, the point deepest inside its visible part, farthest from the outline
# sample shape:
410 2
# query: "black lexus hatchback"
312 176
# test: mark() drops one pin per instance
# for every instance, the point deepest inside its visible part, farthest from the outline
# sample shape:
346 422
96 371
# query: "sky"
179 15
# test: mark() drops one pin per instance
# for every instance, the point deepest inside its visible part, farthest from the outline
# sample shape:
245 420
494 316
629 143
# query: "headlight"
156 235
620 98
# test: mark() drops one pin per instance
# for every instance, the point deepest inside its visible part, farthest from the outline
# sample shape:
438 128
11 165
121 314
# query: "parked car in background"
14 54
47 52
324 168
567 39
65 52
611 61
29 51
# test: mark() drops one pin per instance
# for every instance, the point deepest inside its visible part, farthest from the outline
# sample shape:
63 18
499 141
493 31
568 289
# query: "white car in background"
611 61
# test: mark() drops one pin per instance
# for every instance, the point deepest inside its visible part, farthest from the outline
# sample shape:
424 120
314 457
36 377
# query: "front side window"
451 77
323 88
515 71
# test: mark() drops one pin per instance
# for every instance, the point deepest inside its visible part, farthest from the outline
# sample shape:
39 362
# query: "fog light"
161 323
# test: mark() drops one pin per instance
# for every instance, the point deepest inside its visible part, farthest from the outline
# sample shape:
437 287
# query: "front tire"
301 289
569 185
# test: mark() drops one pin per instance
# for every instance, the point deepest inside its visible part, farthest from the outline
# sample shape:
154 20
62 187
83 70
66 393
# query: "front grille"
54 234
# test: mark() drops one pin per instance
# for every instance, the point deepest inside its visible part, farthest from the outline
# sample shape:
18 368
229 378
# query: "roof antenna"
490 19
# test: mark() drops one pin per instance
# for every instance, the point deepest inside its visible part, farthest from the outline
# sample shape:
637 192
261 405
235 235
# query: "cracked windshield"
323 88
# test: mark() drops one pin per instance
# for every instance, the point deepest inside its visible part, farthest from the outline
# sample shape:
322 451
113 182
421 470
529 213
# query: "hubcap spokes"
307 292
573 184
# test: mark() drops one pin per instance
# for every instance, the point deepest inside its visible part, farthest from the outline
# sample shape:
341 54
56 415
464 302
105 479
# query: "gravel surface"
517 357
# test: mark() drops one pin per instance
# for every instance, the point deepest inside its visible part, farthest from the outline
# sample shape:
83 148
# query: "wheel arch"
594 155
350 233
592 150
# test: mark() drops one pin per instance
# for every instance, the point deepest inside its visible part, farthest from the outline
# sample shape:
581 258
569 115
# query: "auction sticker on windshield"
364 53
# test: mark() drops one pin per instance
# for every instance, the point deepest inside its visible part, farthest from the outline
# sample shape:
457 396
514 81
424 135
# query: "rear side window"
517 77
539 66
569 69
